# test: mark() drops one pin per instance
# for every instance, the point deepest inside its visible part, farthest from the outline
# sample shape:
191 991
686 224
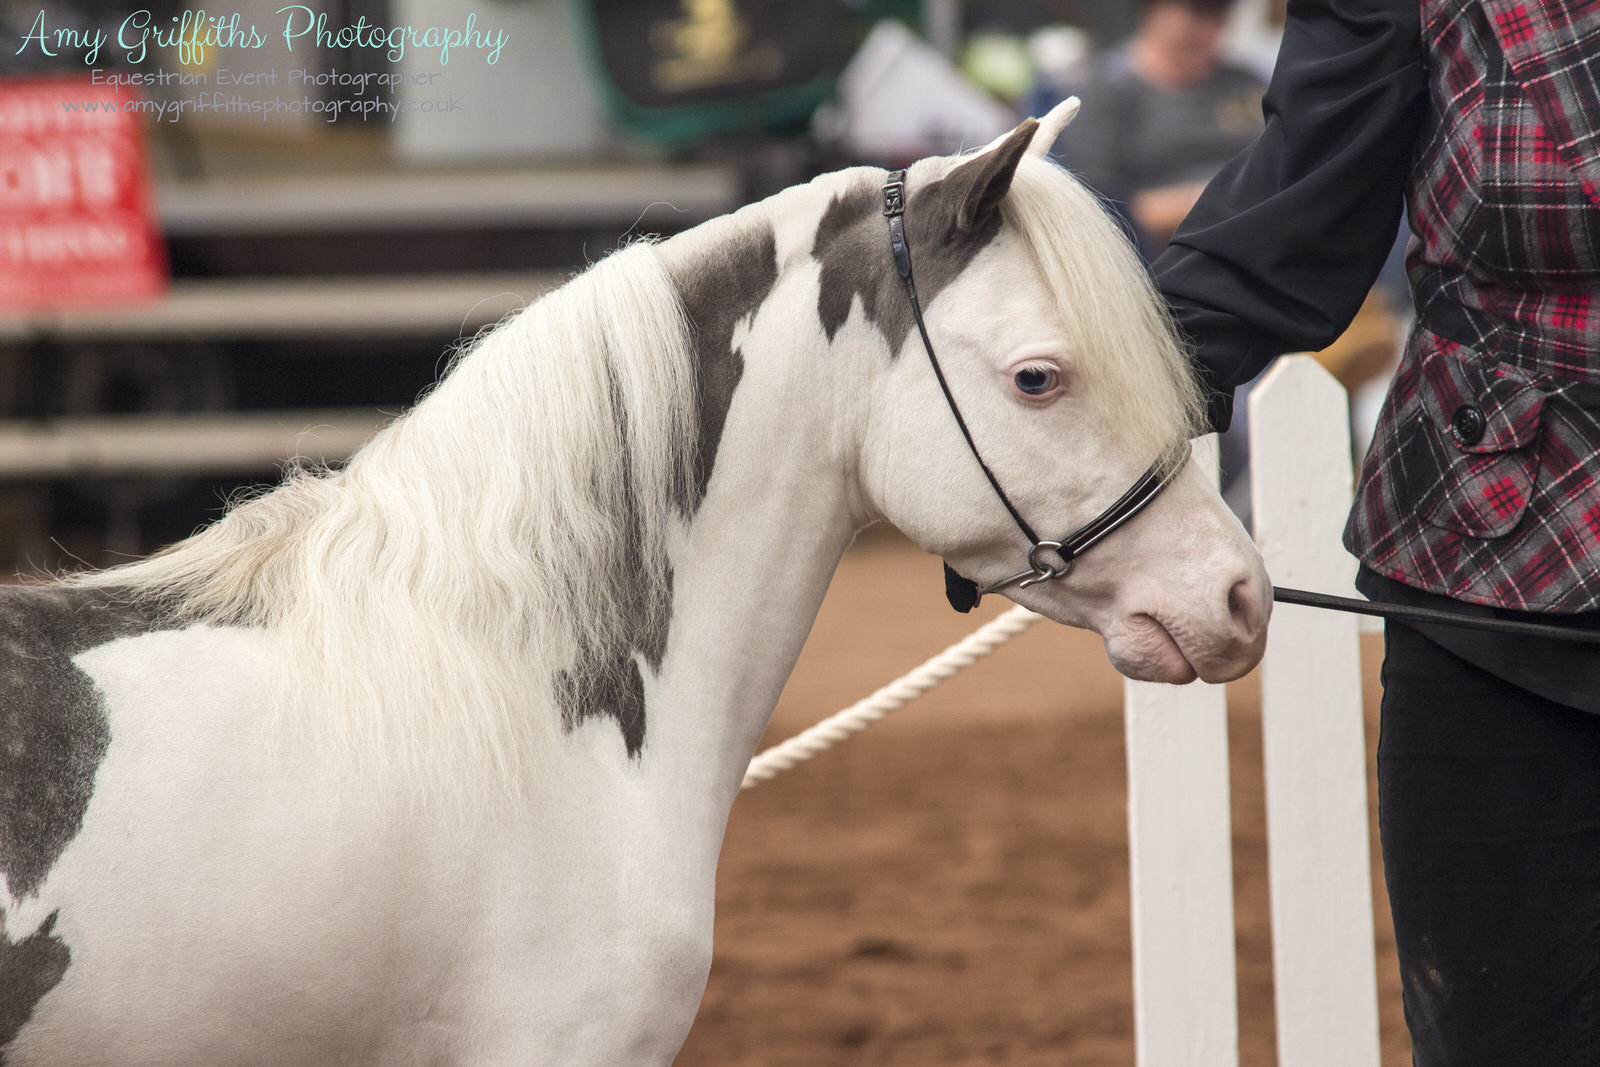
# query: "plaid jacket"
1483 480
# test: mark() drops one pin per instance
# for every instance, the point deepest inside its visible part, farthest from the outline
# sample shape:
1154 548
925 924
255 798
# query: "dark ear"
979 184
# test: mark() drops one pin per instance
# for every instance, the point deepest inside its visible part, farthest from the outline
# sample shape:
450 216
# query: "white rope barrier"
897 694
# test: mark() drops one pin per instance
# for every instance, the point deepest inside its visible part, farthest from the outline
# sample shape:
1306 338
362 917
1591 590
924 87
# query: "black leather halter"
1047 560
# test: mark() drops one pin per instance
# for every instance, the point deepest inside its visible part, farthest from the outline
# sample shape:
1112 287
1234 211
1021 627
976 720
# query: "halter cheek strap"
963 593
894 206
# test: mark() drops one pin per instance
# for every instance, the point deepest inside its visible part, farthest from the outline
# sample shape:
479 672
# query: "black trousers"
1489 806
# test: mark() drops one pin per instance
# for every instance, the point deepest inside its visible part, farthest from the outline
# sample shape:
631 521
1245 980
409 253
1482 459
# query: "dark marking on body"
29 969
948 222
53 735
718 293
53 730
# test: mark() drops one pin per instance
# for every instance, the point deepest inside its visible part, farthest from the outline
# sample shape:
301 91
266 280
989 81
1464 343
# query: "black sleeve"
1282 247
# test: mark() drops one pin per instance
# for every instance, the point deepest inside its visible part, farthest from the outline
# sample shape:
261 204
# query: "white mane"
425 596
1133 361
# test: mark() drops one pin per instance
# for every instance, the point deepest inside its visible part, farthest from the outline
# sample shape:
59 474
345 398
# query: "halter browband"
964 593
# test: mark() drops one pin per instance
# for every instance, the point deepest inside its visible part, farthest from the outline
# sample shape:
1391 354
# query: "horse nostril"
1244 608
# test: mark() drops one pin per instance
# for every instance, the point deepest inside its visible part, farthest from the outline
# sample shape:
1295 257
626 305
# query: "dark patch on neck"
852 244
53 736
605 681
29 969
718 292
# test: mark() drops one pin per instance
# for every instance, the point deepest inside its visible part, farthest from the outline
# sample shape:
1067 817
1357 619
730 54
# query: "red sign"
76 227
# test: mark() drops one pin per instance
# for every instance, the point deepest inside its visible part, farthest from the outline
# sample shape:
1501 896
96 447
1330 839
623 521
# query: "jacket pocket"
1474 453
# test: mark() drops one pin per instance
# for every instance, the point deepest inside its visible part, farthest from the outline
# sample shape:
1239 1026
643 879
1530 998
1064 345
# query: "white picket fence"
1325 977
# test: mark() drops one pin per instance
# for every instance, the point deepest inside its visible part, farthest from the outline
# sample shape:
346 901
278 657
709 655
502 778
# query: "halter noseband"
964 593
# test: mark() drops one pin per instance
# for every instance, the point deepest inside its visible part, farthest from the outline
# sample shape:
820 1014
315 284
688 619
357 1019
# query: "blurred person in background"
1480 494
1162 112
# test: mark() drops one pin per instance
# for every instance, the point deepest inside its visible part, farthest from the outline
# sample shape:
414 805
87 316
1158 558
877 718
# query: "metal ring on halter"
1042 569
1039 570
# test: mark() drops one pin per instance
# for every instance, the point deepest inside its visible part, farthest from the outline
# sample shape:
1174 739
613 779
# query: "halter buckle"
894 194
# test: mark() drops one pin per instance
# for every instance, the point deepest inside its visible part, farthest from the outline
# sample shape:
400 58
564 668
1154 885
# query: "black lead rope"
1434 617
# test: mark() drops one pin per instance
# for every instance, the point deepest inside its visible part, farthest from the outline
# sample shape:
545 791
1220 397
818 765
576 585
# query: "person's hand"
1158 211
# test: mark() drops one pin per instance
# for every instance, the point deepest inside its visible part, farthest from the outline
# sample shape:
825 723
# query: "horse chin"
1142 649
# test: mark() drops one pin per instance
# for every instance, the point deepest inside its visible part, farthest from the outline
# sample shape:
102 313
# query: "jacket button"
1468 423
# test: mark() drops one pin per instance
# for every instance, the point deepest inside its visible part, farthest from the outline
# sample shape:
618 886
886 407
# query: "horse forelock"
1128 351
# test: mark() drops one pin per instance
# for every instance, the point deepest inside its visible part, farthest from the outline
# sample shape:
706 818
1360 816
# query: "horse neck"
781 506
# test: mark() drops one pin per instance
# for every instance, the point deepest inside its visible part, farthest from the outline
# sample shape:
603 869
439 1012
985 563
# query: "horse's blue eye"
1036 380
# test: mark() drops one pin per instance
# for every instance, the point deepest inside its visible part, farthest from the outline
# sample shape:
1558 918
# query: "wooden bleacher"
615 200
261 308
631 198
